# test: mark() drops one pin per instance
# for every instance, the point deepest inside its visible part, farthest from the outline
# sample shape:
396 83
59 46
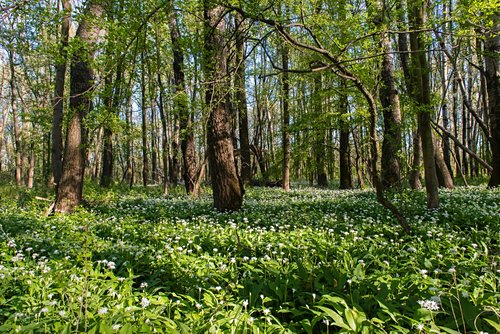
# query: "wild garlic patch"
308 261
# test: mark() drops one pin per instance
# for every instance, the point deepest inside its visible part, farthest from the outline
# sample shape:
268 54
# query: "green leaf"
337 319
494 324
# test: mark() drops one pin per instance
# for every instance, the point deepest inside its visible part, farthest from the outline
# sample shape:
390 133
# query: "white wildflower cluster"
430 304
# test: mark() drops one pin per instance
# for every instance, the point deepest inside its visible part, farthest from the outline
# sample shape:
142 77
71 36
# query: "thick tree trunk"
420 74
492 49
241 100
181 106
389 99
442 172
227 194
344 147
58 100
70 187
107 152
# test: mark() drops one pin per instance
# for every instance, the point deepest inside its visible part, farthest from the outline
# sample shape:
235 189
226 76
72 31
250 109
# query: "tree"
492 49
181 105
227 193
421 90
58 101
70 187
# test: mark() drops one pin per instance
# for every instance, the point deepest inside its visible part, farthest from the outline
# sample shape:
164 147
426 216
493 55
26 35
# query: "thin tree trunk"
319 147
227 193
70 187
15 116
241 100
163 118
344 147
145 156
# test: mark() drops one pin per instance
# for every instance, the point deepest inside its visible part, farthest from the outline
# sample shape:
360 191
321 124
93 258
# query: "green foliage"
308 261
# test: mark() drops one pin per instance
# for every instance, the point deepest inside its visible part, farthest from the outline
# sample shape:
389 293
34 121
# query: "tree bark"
15 117
344 147
492 49
181 106
58 100
241 100
319 146
227 194
70 187
145 156
420 74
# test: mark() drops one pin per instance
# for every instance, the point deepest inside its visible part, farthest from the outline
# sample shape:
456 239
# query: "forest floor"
307 261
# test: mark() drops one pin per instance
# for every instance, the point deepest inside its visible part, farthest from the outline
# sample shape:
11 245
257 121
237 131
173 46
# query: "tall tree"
241 100
492 49
389 99
58 100
181 105
227 194
70 187
422 97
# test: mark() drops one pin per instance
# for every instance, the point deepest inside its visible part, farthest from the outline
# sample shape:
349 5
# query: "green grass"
308 261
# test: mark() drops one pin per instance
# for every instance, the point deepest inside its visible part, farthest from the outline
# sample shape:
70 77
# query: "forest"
240 166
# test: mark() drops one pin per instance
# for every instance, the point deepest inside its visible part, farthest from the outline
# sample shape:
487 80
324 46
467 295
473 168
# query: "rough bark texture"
181 106
241 100
420 74
70 187
492 49
442 172
58 100
389 99
227 194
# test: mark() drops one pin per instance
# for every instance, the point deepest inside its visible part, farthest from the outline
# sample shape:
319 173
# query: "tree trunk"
241 100
389 99
227 194
163 118
70 187
442 172
58 100
145 156
420 74
344 147
15 117
181 106
492 49
319 147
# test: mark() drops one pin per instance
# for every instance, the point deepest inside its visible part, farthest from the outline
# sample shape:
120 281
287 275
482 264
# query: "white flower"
218 288
431 305
145 302
144 285
245 303
266 311
44 310
111 265
420 327
102 310
250 321
198 306
116 327
62 313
